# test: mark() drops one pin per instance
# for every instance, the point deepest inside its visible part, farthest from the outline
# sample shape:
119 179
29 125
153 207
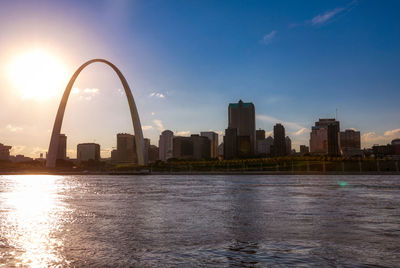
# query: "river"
200 220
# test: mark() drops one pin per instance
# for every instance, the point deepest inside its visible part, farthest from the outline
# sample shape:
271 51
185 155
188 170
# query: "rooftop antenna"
336 114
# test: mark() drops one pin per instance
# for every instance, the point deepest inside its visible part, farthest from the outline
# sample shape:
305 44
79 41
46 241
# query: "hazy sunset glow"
37 74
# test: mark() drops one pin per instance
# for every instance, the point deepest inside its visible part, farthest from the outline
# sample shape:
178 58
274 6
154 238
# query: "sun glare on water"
38 75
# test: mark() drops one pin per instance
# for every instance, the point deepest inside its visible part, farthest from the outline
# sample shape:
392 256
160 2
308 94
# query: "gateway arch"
53 147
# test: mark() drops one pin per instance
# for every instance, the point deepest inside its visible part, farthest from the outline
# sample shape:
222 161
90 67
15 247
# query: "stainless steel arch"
53 147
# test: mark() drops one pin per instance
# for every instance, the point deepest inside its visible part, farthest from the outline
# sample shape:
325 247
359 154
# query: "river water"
200 220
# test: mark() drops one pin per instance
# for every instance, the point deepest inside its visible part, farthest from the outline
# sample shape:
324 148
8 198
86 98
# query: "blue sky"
297 61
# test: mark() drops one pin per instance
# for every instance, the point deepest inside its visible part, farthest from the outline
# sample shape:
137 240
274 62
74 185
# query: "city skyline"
185 86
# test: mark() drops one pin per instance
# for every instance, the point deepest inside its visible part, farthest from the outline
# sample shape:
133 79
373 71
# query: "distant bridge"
53 147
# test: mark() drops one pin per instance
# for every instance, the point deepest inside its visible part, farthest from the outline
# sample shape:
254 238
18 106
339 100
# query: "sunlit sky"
297 61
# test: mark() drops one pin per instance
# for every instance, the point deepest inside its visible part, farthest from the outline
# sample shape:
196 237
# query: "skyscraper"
165 145
288 145
241 116
230 143
126 149
213 137
304 149
319 140
264 146
62 147
350 142
325 137
146 149
201 147
279 148
153 154
260 134
194 147
182 147
88 151
4 152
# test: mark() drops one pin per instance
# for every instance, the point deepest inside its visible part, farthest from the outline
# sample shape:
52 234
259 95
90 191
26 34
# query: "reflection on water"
32 210
218 221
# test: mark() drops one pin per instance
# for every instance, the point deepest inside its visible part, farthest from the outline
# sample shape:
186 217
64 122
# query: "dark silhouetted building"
230 143
88 151
304 149
264 146
62 147
244 147
165 145
350 142
279 147
153 154
383 150
242 116
396 146
182 147
194 147
126 149
146 149
221 150
288 143
260 134
201 147
4 152
213 137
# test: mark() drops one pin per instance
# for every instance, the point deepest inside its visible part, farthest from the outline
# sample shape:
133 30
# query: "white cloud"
36 151
86 94
268 37
13 128
157 95
270 119
269 133
371 138
153 113
92 91
392 133
17 149
183 133
147 127
71 153
159 124
300 131
323 18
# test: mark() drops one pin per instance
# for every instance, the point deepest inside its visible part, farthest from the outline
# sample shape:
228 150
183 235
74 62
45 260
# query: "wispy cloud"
183 133
157 95
159 124
392 133
268 37
17 149
91 90
325 17
371 138
13 128
147 127
36 151
273 120
269 133
300 131
85 94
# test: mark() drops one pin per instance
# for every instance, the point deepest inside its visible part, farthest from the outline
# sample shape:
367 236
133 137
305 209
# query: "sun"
37 74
